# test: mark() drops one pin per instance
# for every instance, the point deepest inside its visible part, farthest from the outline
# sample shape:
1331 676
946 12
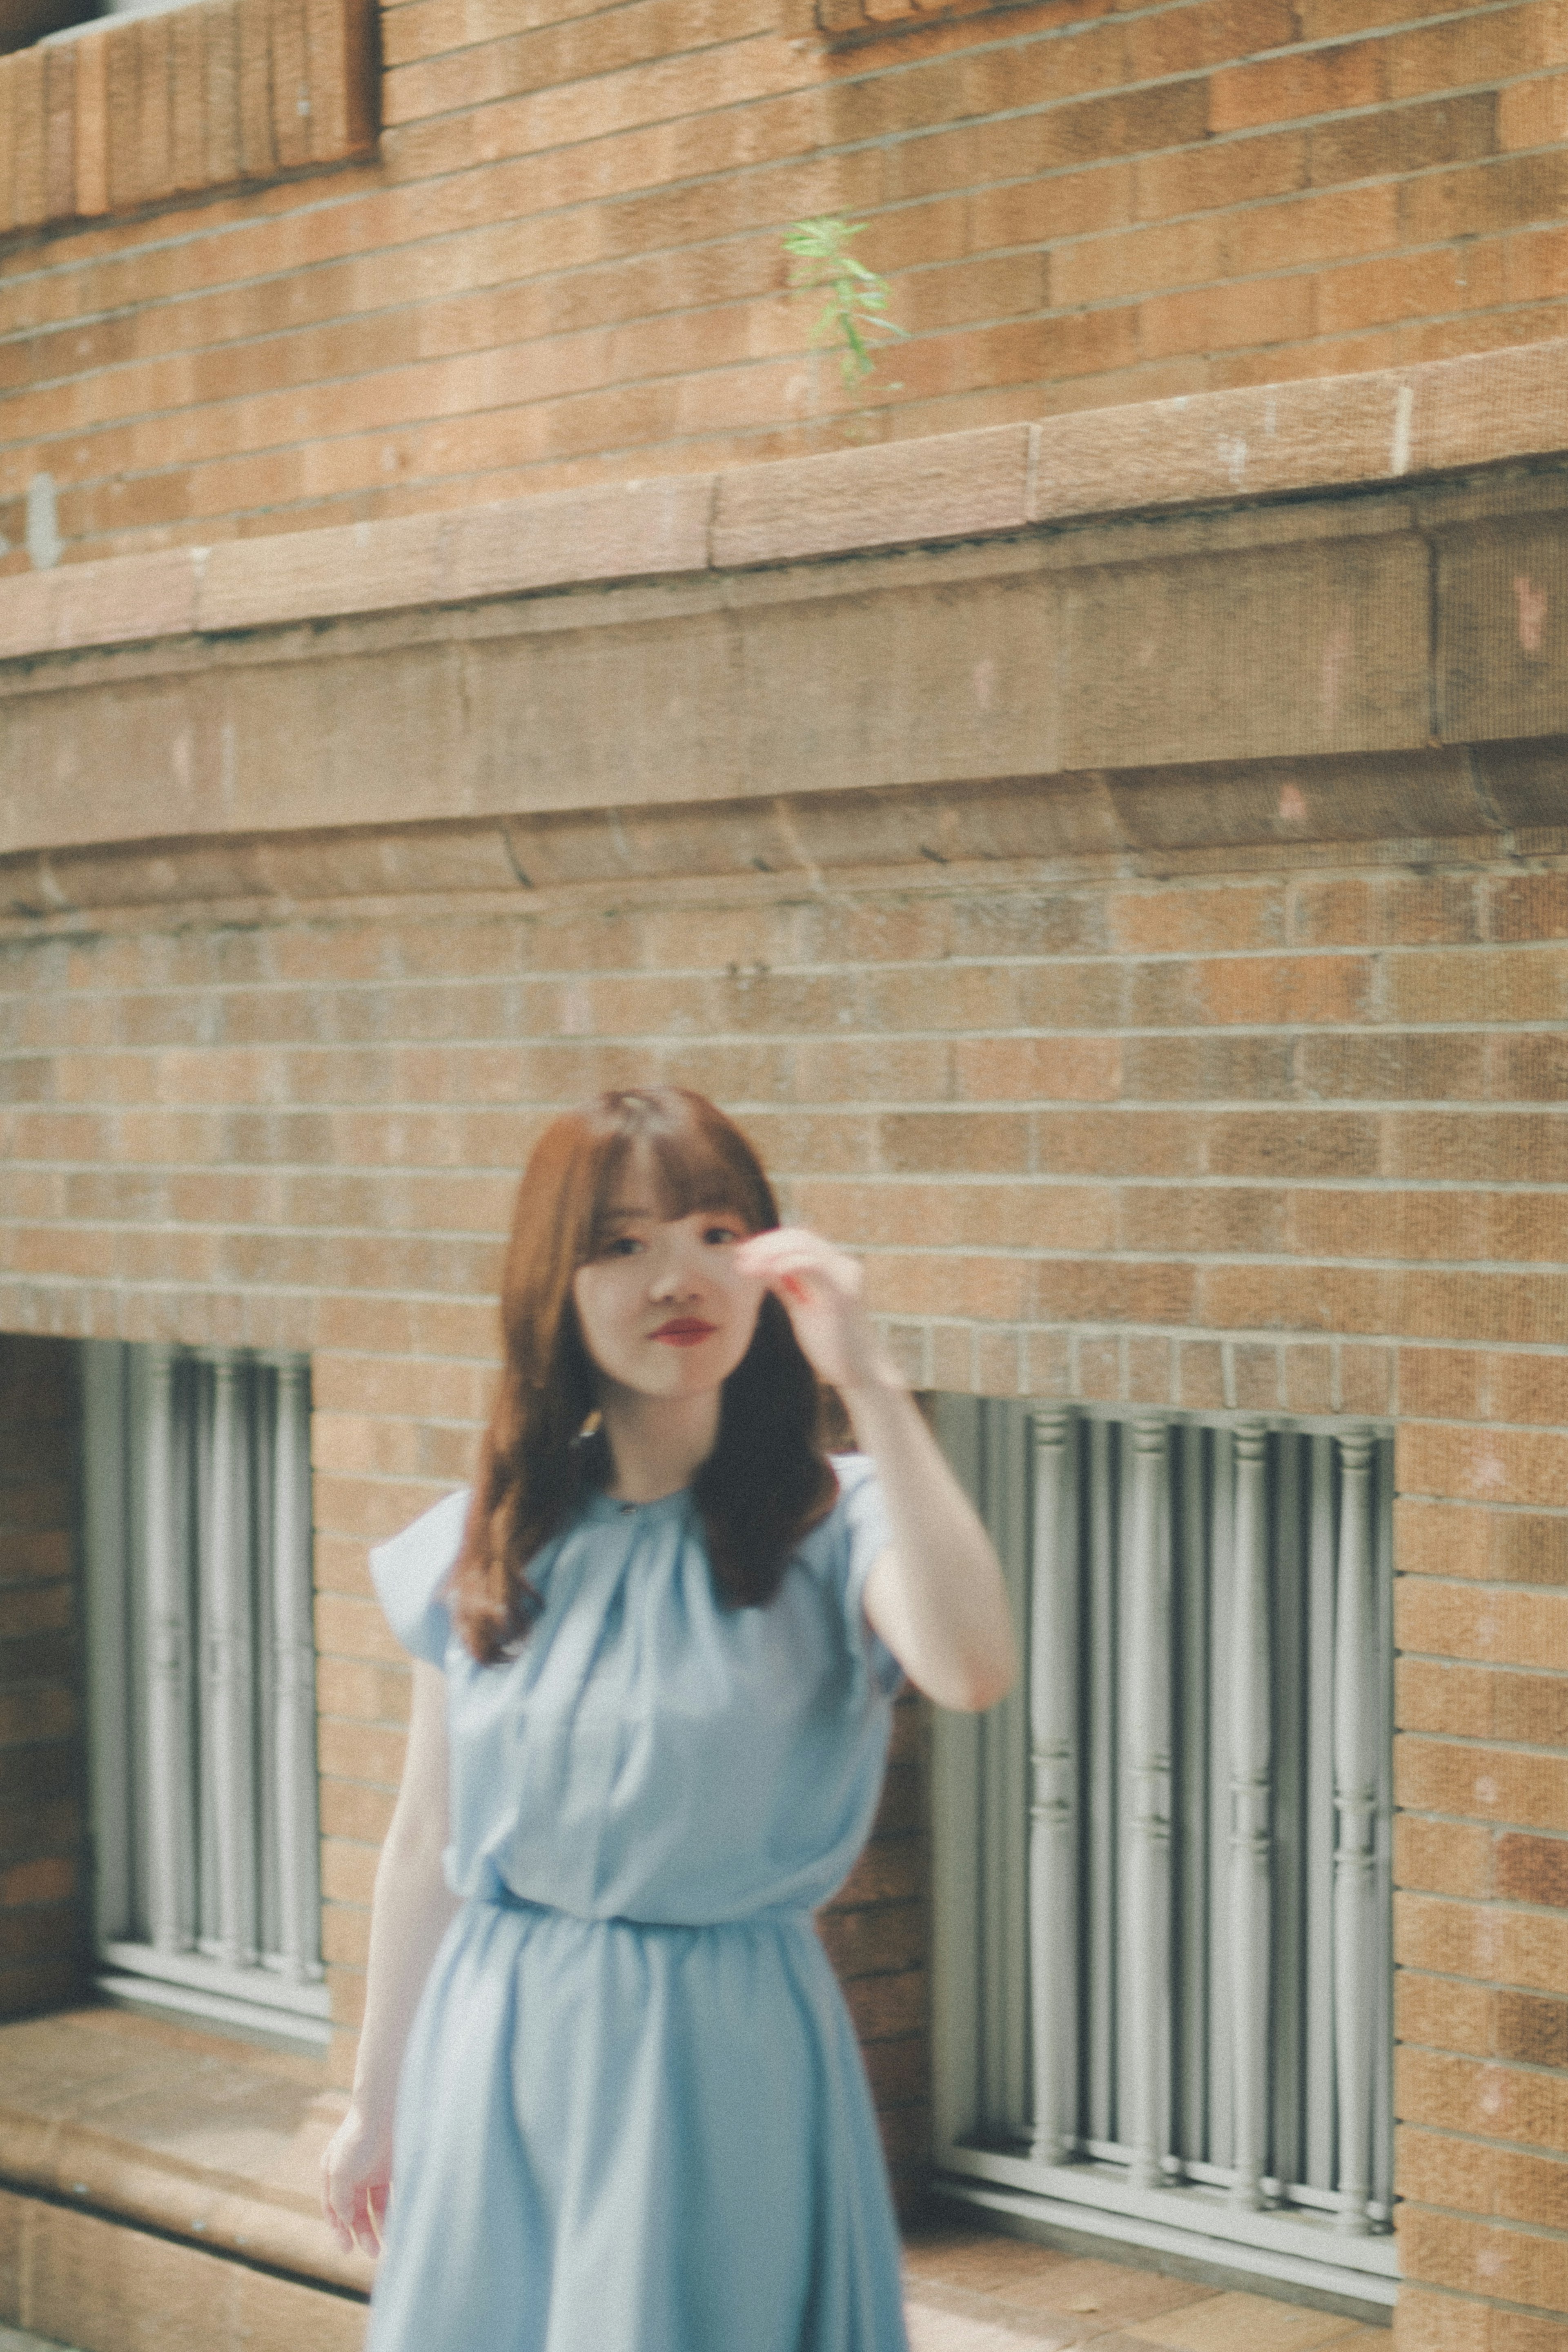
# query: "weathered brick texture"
147 109
563 263
42 1943
1207 1128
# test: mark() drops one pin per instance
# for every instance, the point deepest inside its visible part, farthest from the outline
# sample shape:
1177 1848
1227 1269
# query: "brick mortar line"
945 1253
1043 34
1472 1503
126 420
334 198
336 321
1542 2230
1486 1743
1515 1587
1488 887
1536 2069
889 70
76 323
392 1171
1435 96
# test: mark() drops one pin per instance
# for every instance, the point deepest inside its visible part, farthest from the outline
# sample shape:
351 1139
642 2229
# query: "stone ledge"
1405 806
1265 442
176 2133
851 24
104 2285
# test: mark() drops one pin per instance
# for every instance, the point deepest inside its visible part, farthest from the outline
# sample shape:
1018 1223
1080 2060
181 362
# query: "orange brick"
1441 1857
1463 2176
1442 2012
1483 1784
1533 113
1039 1069
1489 46
1192 920
1476 2258
1455 2094
1290 89
1240 171
1485 1466
1261 311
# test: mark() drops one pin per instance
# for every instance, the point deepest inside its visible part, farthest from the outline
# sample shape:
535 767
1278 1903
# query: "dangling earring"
593 1425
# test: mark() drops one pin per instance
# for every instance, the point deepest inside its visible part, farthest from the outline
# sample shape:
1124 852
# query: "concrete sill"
179 2134
851 24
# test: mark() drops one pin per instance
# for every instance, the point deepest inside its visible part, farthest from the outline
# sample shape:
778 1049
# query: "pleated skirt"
620 2138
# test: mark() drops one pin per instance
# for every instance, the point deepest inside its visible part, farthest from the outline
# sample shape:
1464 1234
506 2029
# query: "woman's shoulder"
858 1518
410 1572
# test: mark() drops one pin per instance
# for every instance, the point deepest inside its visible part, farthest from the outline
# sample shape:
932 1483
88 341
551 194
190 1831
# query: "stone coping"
1265 442
177 2131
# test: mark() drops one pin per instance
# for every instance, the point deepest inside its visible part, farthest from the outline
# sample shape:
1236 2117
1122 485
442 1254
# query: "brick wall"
1278 1127
41 1826
564 263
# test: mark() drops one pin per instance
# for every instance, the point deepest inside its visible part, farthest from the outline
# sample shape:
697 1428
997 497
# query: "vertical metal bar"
1320 1822
1146 1941
1357 1659
229 1671
1102 1860
294 1675
1007 1735
1251 1749
107 1576
996 1837
1382 1502
957 1926
1221 1580
1053 1812
1289 1680
1190 1808
167 1786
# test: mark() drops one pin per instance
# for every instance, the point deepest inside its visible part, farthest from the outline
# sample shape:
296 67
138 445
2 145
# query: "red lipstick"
685 1331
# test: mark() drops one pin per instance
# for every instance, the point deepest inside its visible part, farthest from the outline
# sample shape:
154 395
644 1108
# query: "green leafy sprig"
854 314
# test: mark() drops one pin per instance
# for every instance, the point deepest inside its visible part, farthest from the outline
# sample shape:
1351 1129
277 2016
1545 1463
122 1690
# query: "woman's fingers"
790 1252
353 2195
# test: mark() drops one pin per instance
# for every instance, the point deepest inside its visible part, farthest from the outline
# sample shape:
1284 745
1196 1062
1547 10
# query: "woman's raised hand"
356 2174
821 1290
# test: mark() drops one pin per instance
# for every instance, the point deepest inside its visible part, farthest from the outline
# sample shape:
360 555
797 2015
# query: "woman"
656 1650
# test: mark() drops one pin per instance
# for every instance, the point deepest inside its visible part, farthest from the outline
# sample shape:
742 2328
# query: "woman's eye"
624 1245
722 1233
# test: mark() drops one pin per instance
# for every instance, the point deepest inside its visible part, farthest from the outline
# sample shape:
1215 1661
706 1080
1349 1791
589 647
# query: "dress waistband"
507 1898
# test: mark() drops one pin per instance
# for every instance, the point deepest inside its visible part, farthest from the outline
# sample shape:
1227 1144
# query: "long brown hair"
767 1480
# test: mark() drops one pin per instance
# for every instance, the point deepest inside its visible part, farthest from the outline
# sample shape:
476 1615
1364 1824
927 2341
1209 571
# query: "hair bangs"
697 1161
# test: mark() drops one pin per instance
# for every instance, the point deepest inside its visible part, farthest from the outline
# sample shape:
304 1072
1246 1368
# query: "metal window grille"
201 1686
1163 1967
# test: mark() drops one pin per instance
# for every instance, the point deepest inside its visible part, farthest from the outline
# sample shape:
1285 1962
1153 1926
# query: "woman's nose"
676 1275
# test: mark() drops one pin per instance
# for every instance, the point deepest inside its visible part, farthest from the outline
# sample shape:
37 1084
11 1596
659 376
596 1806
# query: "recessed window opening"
1162 1901
201 1686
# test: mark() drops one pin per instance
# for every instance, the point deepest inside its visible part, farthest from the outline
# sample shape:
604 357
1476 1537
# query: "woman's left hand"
819 1287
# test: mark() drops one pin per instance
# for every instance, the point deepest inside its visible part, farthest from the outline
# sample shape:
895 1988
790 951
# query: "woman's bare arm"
409 1913
936 1595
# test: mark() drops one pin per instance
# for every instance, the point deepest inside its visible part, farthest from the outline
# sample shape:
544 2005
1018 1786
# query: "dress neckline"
610 1507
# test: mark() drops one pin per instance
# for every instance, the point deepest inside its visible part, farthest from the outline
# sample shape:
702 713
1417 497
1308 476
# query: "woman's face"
663 1310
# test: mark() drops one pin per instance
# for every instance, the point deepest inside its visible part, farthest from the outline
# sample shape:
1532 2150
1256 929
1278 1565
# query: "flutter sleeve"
864 1534
409 1572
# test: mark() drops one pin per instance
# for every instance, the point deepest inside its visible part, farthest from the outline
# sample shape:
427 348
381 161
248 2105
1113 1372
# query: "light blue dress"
633 2115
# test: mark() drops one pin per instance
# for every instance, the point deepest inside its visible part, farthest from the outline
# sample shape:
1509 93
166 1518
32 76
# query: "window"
1162 1961
201 1678
162 99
